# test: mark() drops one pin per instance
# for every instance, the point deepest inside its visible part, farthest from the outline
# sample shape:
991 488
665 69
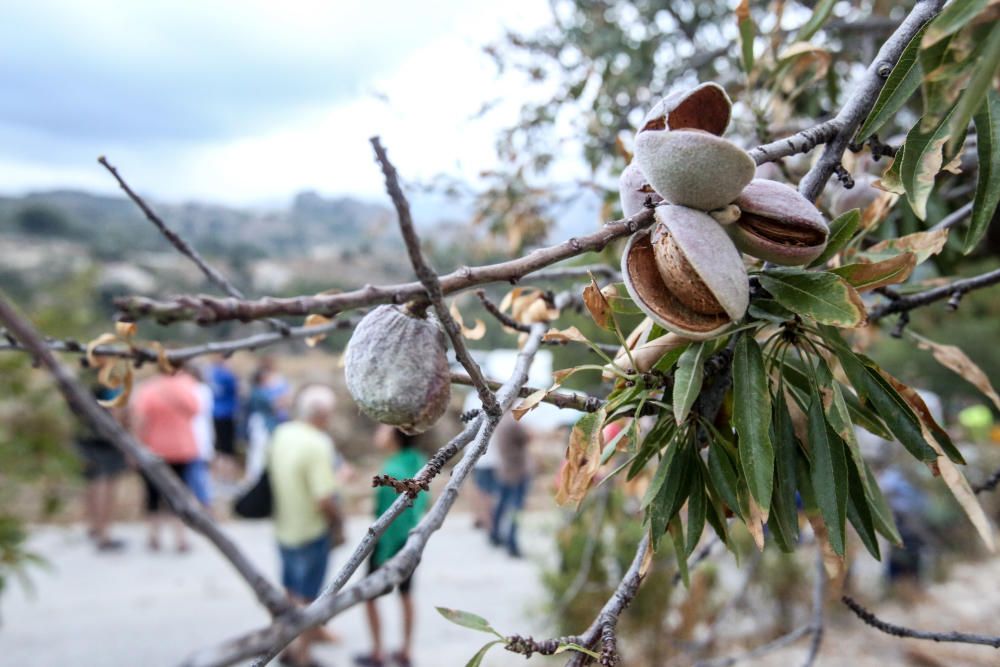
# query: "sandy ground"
138 608
151 609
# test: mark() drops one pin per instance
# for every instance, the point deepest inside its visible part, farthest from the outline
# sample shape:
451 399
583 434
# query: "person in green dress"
403 463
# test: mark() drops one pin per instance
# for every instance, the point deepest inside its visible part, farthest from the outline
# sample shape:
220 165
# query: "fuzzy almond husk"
778 225
396 368
634 190
706 107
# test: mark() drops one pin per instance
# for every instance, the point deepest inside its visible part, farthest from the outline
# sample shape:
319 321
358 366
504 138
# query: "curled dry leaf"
755 524
570 335
162 361
531 401
922 244
953 358
866 276
873 214
315 321
597 304
125 330
583 458
834 565
111 372
476 332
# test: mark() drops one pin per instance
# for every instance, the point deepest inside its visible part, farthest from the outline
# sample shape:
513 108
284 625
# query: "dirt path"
138 608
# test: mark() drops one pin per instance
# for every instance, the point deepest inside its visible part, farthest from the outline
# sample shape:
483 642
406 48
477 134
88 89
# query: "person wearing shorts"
404 463
102 464
225 408
163 412
300 467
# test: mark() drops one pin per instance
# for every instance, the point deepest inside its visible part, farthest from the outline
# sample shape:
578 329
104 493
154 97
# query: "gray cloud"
118 73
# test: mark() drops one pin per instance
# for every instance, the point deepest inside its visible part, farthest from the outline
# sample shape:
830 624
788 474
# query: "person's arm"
321 481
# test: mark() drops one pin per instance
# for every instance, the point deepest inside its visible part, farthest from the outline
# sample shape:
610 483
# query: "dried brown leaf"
597 304
954 359
315 321
583 458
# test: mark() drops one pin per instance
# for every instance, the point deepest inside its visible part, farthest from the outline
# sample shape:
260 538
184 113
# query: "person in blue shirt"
225 408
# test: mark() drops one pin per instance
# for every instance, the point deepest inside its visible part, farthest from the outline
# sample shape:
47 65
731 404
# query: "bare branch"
771 646
954 291
859 104
575 400
819 602
180 498
148 354
206 309
800 142
214 275
988 484
899 631
429 279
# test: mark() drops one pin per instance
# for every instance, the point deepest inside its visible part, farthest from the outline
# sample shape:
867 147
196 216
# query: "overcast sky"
249 101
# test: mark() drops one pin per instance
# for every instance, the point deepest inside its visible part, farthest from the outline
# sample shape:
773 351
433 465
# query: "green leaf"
882 513
468 620
841 230
903 81
722 472
784 513
661 433
922 161
668 360
828 471
892 180
751 418
672 492
953 18
688 378
859 513
819 16
770 311
988 182
562 648
697 510
477 659
824 297
896 414
677 536
860 415
987 64
865 276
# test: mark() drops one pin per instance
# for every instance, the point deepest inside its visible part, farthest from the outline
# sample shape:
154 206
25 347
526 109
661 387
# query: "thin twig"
205 309
214 275
988 484
142 354
166 482
953 218
771 646
861 100
949 291
575 400
900 631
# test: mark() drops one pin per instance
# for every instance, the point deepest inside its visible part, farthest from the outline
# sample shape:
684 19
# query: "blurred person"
266 408
301 460
164 410
908 503
102 465
225 407
404 462
484 496
198 473
513 476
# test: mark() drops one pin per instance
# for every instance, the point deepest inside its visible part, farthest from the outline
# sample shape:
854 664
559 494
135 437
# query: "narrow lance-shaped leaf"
784 513
672 494
477 659
859 513
583 458
819 16
954 359
988 182
952 18
987 59
824 297
885 523
697 510
747 33
751 418
866 276
723 475
828 471
903 81
676 529
688 378
468 620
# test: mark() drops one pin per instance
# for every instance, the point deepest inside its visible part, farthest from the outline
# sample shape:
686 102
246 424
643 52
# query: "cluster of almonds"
687 273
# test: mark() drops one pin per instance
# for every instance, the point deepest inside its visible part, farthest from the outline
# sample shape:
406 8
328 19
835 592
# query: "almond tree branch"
185 248
429 279
988 484
953 218
143 354
955 290
900 631
206 309
861 100
188 509
561 399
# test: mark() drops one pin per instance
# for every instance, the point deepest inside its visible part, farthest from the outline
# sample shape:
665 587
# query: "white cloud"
274 97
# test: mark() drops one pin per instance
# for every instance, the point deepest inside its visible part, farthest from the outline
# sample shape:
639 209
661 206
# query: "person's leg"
90 507
499 513
153 502
375 630
180 532
518 492
101 491
409 619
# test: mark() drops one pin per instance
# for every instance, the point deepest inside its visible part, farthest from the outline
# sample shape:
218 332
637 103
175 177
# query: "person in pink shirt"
163 410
